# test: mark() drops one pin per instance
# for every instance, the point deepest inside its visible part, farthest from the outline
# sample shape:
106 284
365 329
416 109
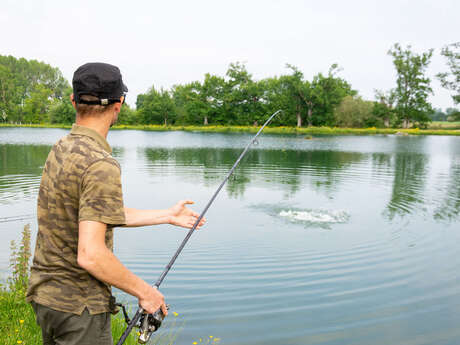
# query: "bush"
355 112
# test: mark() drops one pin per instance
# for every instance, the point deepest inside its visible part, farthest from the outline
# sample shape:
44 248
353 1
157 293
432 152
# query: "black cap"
100 80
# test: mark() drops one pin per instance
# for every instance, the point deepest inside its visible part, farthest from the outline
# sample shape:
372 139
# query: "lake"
333 240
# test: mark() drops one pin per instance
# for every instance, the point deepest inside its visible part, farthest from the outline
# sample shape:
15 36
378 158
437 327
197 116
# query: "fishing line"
149 323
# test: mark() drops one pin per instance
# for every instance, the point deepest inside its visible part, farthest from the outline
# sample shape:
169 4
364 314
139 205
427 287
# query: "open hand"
182 216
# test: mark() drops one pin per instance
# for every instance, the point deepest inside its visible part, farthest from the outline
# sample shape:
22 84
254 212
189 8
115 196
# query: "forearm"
178 215
135 217
104 265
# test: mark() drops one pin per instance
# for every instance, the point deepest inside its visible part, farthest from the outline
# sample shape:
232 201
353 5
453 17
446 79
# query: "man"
79 203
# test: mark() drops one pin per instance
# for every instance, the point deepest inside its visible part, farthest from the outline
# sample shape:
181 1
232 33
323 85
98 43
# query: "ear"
117 107
72 99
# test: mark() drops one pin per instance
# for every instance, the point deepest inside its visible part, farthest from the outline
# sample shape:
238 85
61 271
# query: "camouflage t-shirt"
80 181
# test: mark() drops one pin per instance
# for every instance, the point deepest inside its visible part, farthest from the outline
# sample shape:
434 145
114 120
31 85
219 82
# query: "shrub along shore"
273 130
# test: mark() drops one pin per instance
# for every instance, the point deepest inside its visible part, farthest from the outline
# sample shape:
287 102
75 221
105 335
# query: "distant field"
444 125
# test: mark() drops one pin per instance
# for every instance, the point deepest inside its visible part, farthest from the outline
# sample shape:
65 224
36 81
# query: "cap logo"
104 101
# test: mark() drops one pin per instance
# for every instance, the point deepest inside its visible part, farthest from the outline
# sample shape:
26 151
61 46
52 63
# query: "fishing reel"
150 323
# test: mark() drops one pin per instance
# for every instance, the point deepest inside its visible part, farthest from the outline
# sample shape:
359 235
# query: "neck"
100 123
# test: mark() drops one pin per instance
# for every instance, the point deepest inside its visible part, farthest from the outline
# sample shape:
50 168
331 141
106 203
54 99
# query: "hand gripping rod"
140 311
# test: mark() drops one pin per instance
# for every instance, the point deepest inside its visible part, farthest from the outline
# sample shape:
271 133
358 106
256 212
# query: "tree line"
35 92
28 89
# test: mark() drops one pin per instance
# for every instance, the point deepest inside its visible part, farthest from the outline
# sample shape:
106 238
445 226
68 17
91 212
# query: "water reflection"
410 171
289 169
449 206
20 170
25 159
403 174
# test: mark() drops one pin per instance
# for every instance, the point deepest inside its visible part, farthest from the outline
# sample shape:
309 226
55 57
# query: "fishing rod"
149 323
16 218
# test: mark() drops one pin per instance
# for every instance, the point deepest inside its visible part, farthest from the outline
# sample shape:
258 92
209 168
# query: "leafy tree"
328 92
7 93
412 86
156 107
277 96
37 105
212 93
238 95
28 88
127 116
353 111
384 107
190 103
300 94
299 98
253 108
451 80
62 110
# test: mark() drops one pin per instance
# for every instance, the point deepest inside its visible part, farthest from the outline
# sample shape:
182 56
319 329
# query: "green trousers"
60 328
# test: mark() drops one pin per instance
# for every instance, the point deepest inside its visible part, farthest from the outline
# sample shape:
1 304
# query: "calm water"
335 240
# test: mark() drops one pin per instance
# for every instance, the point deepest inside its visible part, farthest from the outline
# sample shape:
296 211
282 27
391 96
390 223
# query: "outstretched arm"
178 215
100 262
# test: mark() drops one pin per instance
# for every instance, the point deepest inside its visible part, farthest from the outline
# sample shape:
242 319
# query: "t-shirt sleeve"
101 196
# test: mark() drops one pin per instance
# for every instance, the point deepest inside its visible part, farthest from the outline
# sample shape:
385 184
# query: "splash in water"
316 216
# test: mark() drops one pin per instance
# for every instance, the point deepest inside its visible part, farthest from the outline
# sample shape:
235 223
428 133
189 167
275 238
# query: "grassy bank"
277 130
34 125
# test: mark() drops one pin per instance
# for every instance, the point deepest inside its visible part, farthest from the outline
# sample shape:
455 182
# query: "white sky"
163 43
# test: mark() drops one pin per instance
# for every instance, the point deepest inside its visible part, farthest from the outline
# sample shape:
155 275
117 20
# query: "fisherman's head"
98 90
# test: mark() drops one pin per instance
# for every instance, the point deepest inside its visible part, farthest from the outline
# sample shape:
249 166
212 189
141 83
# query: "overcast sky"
163 43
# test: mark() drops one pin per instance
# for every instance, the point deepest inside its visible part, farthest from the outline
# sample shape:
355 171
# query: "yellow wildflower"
21 321
17 330
175 314
194 343
19 341
211 336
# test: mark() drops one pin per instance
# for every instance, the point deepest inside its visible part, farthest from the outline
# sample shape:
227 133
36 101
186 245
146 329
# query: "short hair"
92 109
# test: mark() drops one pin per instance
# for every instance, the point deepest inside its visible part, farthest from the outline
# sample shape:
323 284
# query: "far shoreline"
254 129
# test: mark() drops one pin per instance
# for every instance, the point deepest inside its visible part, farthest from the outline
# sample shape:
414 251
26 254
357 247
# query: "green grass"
454 129
17 320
